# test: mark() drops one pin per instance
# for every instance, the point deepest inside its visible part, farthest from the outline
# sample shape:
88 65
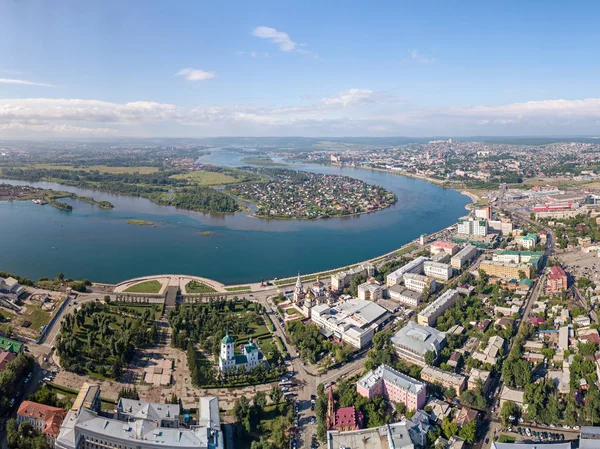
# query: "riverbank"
9 192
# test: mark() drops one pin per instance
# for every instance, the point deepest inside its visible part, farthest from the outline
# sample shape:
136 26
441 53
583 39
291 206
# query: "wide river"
98 244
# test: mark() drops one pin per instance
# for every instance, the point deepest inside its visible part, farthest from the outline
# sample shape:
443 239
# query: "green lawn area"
145 287
408 249
506 439
36 316
207 178
241 288
101 168
291 311
198 287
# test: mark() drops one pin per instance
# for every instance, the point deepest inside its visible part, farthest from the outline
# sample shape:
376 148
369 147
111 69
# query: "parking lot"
579 264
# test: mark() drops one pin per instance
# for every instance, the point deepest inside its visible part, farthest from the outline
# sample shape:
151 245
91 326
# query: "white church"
251 356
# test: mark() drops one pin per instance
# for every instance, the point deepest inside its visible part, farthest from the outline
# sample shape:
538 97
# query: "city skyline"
113 70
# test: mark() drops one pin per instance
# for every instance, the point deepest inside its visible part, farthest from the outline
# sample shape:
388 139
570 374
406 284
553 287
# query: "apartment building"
465 255
473 226
557 280
370 291
435 375
429 315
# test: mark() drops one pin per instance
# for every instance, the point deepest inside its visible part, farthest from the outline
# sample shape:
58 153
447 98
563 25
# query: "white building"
437 270
141 428
419 282
342 279
404 295
353 321
250 358
370 292
429 315
473 226
465 255
11 285
414 266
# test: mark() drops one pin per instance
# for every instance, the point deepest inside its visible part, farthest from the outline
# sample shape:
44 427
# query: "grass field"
101 168
145 287
36 316
206 178
242 288
198 287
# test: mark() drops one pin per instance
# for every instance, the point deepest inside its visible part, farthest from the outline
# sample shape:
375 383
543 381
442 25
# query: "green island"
140 222
291 194
265 161
39 196
199 287
144 287
205 233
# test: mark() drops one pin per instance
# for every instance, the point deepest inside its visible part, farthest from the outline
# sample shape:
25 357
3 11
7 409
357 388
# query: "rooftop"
418 338
390 375
431 308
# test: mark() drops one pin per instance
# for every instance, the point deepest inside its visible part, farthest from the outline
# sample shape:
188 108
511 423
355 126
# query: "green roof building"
10 345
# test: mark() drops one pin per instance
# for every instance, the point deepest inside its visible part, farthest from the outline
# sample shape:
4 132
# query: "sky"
153 68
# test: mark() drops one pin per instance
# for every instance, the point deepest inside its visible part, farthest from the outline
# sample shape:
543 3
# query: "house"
490 353
5 358
465 416
43 418
344 418
455 360
514 395
476 376
439 410
8 344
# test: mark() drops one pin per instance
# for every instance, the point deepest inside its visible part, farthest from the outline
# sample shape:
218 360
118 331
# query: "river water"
98 244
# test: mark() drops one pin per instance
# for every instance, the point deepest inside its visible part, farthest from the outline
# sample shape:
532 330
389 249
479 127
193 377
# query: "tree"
275 394
508 409
430 357
468 432
260 401
522 274
449 427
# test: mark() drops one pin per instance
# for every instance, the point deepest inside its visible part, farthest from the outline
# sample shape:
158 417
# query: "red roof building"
5 358
342 419
44 418
557 280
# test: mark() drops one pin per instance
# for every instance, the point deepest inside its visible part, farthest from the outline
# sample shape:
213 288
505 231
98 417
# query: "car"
12 402
487 440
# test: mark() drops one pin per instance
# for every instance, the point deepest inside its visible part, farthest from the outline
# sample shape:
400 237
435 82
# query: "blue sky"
310 68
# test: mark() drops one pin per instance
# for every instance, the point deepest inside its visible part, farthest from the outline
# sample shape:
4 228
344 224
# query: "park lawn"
198 287
206 178
291 311
145 287
241 288
101 168
506 439
36 316
408 249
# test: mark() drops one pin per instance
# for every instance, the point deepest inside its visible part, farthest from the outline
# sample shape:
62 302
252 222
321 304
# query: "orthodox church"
251 355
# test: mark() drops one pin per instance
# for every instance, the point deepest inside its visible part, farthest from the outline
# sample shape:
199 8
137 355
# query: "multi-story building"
504 226
506 270
353 321
435 375
138 425
419 282
528 241
414 266
413 341
370 291
342 279
429 315
437 270
465 255
508 256
476 376
43 418
484 212
472 226
557 280
440 246
404 295
393 386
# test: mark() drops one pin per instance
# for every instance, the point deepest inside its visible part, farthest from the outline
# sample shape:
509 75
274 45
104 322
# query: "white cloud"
23 82
416 56
277 37
349 112
195 74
